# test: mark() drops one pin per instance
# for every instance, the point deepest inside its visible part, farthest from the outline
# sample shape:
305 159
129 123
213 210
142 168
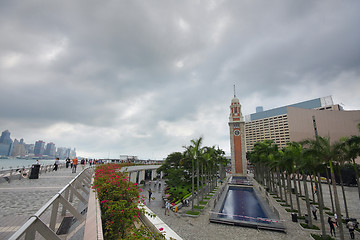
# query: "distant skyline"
143 78
48 148
26 142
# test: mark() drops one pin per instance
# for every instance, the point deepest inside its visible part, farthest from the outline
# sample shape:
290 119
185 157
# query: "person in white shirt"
167 207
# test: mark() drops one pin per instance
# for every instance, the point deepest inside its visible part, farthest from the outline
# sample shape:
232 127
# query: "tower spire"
234 91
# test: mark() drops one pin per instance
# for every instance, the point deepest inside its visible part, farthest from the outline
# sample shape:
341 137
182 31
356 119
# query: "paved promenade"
199 228
22 198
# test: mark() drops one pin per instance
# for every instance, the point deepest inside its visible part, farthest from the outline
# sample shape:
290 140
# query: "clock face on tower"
236 132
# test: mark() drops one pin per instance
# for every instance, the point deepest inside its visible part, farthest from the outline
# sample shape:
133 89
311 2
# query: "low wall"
155 224
93 226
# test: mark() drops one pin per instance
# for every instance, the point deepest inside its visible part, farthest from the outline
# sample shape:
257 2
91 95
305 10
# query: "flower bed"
119 200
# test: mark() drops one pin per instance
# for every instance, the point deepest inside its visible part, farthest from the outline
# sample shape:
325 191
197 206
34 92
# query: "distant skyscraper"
5 137
29 148
50 149
19 150
39 148
6 144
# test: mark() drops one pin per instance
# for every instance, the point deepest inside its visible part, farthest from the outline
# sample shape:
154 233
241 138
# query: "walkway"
22 198
199 228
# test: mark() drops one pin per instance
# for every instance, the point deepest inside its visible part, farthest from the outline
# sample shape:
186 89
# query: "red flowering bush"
119 200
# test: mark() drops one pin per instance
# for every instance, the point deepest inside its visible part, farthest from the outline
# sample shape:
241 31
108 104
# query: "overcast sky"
143 78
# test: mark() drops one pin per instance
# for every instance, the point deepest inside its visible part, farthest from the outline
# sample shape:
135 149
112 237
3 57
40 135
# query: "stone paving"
196 228
22 198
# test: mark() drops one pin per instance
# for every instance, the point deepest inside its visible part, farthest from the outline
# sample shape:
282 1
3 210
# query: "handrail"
23 172
46 226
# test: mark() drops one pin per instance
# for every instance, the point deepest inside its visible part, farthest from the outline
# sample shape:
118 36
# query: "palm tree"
189 153
306 167
268 162
293 154
207 165
353 146
197 154
282 168
323 151
341 149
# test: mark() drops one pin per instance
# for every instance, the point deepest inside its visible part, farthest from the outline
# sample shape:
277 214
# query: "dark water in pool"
244 203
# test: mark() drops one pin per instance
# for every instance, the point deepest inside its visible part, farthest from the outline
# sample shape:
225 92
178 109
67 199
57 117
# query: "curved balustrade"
7 175
51 221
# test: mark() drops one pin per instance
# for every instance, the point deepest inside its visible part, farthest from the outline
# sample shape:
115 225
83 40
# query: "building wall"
335 124
274 128
297 125
5 149
19 150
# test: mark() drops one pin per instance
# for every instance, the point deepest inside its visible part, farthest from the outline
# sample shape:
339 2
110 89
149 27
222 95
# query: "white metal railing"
23 172
73 197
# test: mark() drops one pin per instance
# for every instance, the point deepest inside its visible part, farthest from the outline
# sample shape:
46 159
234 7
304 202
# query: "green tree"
194 152
321 149
353 146
176 169
293 154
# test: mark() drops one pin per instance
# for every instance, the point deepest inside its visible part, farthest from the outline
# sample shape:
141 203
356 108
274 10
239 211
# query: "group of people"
332 223
155 183
73 163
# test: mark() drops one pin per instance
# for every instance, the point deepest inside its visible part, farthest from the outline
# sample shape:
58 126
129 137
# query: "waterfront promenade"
22 198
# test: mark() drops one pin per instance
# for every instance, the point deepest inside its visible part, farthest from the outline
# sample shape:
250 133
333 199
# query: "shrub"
318 237
193 213
291 210
119 200
199 207
304 225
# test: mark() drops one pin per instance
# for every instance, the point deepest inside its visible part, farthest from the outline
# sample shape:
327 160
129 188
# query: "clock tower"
237 138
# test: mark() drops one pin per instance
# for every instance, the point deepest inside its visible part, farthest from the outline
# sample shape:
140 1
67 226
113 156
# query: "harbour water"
18 163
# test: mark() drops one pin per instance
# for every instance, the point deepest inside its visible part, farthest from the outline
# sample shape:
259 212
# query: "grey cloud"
131 65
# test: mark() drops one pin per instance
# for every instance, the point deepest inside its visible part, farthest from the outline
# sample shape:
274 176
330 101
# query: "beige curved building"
300 121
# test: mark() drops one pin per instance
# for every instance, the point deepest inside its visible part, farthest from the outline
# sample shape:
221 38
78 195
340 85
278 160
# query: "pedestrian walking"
313 209
159 183
186 202
351 226
67 162
150 193
332 226
335 217
74 164
167 207
57 162
82 162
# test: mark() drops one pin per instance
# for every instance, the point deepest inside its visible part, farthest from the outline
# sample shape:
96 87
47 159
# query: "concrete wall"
335 124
